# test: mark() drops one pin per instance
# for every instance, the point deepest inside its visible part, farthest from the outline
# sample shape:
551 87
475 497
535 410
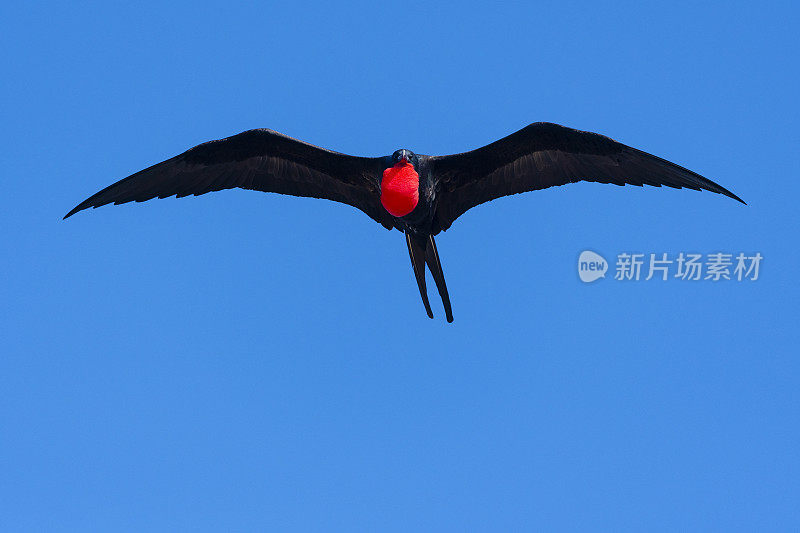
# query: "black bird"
420 195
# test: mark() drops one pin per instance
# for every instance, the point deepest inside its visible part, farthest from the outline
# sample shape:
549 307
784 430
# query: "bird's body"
418 194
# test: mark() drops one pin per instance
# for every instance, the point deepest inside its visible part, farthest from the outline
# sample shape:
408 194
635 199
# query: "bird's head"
406 155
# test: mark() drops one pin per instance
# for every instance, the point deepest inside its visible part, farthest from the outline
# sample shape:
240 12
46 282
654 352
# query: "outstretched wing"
544 155
259 160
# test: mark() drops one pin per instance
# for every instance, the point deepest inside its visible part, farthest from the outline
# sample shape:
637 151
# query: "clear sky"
242 361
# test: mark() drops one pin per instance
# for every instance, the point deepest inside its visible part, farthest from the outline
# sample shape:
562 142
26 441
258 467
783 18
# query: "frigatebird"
420 195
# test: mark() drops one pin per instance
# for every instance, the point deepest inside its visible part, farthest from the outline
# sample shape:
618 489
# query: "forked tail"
422 250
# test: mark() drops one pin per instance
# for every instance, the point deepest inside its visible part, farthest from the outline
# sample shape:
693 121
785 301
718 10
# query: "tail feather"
432 258
416 250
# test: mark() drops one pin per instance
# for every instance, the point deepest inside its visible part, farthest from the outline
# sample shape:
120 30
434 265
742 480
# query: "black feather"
544 155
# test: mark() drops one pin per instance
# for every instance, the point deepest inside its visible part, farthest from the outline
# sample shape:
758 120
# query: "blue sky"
243 361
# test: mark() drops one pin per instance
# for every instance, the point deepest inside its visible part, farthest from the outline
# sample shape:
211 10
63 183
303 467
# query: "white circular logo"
591 266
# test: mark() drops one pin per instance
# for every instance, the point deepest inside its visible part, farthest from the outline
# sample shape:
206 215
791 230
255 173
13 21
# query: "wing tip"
731 195
722 190
79 207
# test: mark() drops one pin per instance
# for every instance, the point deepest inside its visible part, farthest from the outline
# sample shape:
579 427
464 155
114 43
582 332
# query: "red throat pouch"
400 188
